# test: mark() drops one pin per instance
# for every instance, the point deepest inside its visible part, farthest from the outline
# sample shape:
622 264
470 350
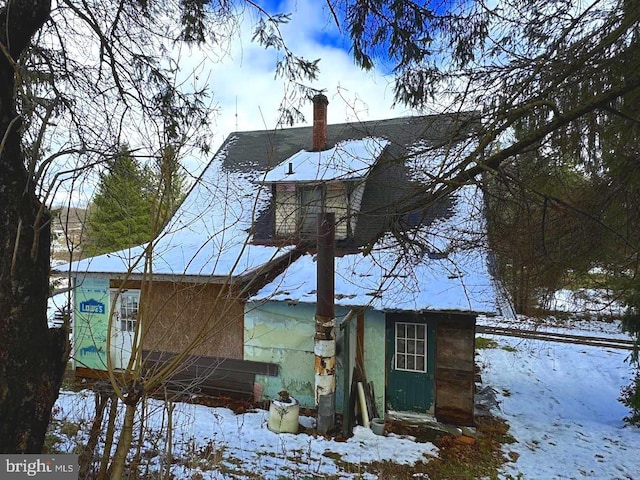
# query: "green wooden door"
410 363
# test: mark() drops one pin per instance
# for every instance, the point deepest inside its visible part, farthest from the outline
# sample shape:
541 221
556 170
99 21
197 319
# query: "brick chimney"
320 103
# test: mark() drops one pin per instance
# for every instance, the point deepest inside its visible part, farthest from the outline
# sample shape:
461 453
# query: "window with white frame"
411 347
127 306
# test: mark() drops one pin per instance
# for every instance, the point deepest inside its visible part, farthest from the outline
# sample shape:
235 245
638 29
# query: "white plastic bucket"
283 416
377 426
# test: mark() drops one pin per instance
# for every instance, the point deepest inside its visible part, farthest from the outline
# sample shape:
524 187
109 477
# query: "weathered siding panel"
455 352
90 322
182 312
277 333
285 210
356 202
280 333
336 202
374 354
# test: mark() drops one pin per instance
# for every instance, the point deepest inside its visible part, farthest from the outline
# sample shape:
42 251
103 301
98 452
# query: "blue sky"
246 96
245 82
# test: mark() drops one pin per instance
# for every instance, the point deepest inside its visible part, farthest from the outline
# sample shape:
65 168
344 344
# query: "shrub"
630 397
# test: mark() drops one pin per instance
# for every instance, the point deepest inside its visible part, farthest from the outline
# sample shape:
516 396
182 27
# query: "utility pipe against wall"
363 405
325 337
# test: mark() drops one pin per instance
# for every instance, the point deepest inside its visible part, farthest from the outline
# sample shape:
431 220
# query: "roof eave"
162 277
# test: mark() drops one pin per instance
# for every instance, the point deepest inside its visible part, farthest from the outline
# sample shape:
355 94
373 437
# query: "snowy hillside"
560 400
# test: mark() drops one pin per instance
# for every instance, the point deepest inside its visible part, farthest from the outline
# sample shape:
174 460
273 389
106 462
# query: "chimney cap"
320 98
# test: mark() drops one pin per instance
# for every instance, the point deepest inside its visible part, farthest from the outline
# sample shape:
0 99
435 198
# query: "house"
233 272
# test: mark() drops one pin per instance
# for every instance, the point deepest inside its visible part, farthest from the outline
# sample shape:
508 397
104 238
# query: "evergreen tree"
120 214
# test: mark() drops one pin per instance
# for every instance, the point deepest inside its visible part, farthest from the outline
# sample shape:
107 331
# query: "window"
311 206
411 347
297 206
127 309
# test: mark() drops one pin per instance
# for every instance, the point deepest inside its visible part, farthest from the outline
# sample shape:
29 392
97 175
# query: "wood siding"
286 204
356 202
183 312
455 353
336 202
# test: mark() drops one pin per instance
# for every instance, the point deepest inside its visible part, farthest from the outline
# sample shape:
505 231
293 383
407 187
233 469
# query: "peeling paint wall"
374 354
281 333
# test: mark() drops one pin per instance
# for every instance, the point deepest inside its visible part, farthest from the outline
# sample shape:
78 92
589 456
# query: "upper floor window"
307 184
297 207
311 205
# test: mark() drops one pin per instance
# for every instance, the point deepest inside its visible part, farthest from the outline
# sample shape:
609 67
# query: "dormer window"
297 207
309 183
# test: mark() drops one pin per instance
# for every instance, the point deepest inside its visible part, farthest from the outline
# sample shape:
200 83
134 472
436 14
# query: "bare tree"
75 77
553 82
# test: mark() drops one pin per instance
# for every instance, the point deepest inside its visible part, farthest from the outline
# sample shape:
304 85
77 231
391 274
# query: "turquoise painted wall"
90 322
278 333
374 354
281 333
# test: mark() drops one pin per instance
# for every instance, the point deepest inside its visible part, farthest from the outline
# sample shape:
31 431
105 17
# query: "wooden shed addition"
430 364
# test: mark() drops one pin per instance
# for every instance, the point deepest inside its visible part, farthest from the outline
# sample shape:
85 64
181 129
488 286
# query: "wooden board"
454 376
210 375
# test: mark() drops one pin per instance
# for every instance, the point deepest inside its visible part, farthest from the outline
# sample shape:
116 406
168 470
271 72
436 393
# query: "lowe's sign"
92 306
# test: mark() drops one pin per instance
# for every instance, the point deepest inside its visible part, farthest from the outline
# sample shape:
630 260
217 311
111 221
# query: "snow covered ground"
561 403
217 444
559 399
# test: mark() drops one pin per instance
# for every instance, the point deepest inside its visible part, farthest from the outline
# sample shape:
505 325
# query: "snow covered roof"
349 159
207 236
210 234
453 275
436 285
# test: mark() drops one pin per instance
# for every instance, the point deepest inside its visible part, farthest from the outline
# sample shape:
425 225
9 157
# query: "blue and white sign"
93 306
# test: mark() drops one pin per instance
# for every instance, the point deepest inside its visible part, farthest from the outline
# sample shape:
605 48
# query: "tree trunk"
31 356
87 453
108 441
124 443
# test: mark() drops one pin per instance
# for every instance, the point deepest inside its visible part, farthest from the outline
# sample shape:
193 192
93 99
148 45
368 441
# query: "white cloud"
245 93
248 96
